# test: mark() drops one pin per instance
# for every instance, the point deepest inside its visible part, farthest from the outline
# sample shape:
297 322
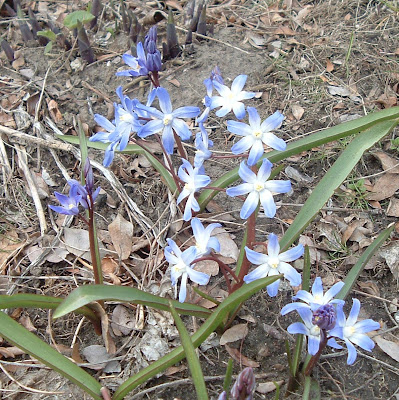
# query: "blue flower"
138 64
193 182
180 263
154 62
86 193
353 332
69 204
325 317
231 99
274 264
256 134
202 144
167 120
313 332
259 189
204 243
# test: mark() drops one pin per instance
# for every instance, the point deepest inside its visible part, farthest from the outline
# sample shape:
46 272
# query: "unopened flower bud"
244 386
325 317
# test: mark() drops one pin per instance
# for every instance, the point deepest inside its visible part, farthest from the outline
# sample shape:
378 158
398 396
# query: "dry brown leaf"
121 232
284 30
75 354
268 387
388 347
297 111
240 358
11 352
384 187
302 14
387 101
369 287
391 255
27 323
236 332
388 163
228 248
393 207
209 267
55 113
9 244
123 320
329 66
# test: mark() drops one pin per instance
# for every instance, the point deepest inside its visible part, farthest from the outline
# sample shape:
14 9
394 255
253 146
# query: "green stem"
94 248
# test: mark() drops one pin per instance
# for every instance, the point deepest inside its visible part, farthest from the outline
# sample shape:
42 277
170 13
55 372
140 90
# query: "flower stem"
94 248
313 360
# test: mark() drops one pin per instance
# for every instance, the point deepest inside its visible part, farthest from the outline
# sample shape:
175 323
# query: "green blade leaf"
49 34
31 344
334 177
213 321
362 262
306 143
191 356
71 20
84 295
130 149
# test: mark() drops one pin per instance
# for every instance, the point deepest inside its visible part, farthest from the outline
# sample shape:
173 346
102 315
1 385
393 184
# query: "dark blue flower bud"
325 317
244 386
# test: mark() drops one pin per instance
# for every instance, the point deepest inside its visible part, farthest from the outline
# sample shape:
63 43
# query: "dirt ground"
320 63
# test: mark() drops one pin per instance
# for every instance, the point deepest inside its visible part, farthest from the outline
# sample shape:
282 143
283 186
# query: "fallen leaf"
388 347
228 247
209 267
391 255
297 111
240 358
388 163
11 352
236 332
302 14
96 355
384 187
256 41
268 387
55 113
369 287
393 207
9 245
284 30
123 321
329 66
121 232
273 332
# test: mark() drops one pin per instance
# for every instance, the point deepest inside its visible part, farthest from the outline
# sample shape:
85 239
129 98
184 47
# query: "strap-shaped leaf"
20 337
84 295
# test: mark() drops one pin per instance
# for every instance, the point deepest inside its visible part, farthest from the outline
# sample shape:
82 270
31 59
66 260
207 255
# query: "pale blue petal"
333 291
274 142
181 129
272 289
362 341
223 90
127 73
253 117
239 190
341 319
198 277
186 112
243 145
140 51
292 254
246 95
223 111
313 345
197 227
130 60
293 306
239 110
354 313
188 255
256 258
272 122
168 139
183 194
273 248
216 101
187 211
352 354
150 128
333 343
269 207
238 83
250 204
278 186
164 100
183 288
239 128
290 273
256 152
201 181
214 244
317 288
297 327
173 247
304 296
367 325
265 170
104 123
246 174
257 273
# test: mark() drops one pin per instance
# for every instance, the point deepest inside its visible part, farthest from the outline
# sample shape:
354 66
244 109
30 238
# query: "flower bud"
244 386
325 317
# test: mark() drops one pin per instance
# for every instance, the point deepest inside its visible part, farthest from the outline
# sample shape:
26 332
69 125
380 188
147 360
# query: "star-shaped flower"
204 243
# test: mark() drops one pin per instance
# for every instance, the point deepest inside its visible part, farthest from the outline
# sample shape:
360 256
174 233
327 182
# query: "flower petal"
243 145
164 100
297 327
256 152
292 254
239 110
181 128
265 170
333 291
273 122
239 190
253 117
268 204
290 273
186 112
246 174
274 142
250 204
183 288
272 289
238 83
354 313
198 277
239 128
257 273
273 247
352 354
278 186
256 258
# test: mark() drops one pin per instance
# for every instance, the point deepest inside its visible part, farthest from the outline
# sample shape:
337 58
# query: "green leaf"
191 356
213 321
130 149
48 47
49 34
355 271
71 20
334 177
306 143
84 295
31 344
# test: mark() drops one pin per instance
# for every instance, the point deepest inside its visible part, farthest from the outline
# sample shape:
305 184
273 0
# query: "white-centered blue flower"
167 120
313 332
259 189
274 263
353 332
256 134
181 266
204 243
315 299
194 181
202 144
231 99
137 64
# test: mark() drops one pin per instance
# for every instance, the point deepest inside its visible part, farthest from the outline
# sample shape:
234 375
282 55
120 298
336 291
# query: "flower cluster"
324 321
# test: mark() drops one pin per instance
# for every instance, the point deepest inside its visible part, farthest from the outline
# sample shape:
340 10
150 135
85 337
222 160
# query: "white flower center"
274 262
179 268
259 186
349 331
189 186
167 119
318 299
258 134
70 206
315 330
126 117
